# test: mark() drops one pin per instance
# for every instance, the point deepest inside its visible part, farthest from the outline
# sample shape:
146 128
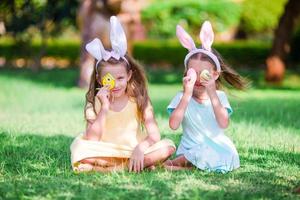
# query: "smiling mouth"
116 90
198 84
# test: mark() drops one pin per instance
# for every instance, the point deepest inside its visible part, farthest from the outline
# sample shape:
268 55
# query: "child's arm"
220 111
178 114
136 162
95 128
151 125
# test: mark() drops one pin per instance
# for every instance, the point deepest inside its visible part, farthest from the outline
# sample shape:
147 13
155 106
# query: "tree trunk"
93 17
281 43
42 51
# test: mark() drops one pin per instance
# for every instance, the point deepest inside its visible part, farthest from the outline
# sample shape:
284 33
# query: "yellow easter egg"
205 75
109 80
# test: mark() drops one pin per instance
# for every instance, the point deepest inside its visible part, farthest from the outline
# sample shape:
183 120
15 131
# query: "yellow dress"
123 131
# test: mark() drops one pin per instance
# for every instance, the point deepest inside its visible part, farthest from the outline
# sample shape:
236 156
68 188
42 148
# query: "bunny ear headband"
206 37
118 43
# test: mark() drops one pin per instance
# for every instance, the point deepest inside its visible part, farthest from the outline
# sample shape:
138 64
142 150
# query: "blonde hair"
136 86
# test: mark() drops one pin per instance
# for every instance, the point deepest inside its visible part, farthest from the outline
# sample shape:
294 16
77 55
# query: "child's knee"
88 161
171 150
167 151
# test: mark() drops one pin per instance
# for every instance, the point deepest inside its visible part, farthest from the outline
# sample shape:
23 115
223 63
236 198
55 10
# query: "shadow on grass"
35 166
266 158
246 185
268 112
35 153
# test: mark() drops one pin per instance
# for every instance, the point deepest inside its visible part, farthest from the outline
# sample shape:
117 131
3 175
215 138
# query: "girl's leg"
179 163
106 164
158 156
177 168
104 161
102 164
82 167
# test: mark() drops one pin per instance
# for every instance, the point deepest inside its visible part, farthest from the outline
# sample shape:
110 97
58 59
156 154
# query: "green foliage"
57 48
170 51
261 16
49 17
42 112
162 16
167 52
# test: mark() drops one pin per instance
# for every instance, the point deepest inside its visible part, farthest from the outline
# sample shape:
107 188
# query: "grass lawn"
41 113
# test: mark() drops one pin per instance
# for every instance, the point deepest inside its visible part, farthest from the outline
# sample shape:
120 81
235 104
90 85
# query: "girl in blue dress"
202 109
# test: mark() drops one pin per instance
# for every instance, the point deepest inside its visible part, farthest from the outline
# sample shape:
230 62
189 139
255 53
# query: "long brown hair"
227 75
136 86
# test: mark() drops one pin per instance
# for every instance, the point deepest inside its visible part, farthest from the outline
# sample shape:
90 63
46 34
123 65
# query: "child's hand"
136 162
103 95
209 84
189 81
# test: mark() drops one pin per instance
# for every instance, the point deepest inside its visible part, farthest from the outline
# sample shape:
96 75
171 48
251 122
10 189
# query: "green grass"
41 113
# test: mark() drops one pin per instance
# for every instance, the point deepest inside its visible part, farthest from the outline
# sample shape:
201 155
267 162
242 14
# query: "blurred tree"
93 17
260 18
162 16
47 17
281 43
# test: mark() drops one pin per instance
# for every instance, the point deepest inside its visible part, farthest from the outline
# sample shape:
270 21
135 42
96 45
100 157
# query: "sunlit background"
44 70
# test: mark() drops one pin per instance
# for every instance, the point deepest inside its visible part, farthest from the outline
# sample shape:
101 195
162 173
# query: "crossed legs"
110 164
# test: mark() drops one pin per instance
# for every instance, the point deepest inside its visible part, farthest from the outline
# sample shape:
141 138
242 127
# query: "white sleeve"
175 101
224 101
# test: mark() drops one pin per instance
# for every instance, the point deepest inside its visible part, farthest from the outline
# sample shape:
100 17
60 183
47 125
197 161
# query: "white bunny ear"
117 37
185 39
206 35
95 48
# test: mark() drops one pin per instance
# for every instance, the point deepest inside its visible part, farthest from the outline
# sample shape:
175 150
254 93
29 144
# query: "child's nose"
117 83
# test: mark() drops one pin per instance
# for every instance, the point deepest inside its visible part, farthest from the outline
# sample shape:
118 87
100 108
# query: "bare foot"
168 165
168 162
83 167
176 168
150 168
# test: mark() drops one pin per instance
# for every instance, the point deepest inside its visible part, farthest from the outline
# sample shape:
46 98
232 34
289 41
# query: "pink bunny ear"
206 35
184 38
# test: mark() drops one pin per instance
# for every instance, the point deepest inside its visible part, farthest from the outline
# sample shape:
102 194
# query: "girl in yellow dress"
121 131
